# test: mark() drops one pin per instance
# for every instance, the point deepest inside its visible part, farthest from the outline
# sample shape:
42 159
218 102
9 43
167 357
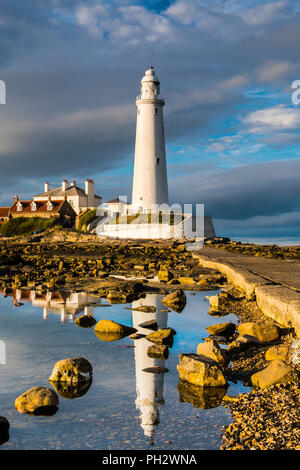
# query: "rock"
176 300
85 321
117 297
158 351
201 397
4 429
216 302
218 339
164 275
276 372
186 280
137 336
72 370
212 349
240 344
150 325
162 336
112 327
264 332
71 391
200 370
145 308
156 370
277 352
222 329
108 337
38 401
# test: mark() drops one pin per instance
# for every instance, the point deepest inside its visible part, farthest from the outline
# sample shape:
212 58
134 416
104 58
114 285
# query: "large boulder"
72 370
276 372
162 336
38 401
176 300
200 370
85 321
112 327
222 329
264 332
277 352
212 349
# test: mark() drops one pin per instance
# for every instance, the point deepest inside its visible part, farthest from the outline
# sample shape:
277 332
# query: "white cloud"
273 70
276 118
131 23
266 13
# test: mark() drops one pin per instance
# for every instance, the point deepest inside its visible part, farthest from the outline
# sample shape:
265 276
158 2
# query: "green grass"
86 219
160 218
25 226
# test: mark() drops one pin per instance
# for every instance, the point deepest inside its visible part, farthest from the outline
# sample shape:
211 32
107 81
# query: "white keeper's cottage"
79 199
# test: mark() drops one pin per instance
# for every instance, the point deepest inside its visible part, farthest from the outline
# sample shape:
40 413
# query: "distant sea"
280 241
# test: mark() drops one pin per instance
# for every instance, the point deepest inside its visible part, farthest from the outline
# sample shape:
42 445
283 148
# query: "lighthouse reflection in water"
149 385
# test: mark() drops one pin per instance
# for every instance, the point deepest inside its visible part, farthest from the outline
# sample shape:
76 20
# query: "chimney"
90 192
16 198
74 183
64 185
46 187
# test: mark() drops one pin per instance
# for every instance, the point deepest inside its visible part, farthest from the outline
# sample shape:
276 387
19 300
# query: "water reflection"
67 305
149 386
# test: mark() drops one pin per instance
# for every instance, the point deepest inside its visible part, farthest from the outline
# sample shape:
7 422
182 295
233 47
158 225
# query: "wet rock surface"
38 401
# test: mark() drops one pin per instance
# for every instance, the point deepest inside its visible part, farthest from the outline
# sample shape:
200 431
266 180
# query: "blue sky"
72 71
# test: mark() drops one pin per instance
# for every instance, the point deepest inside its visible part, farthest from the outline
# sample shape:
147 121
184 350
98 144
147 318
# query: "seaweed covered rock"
38 401
72 370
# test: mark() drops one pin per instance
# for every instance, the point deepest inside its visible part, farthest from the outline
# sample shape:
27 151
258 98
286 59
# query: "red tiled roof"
4 211
41 206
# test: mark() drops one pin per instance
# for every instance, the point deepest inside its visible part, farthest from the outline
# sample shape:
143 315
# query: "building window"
156 110
33 206
19 207
141 198
157 161
49 206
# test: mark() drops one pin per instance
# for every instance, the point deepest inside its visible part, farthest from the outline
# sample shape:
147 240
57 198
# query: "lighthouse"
150 185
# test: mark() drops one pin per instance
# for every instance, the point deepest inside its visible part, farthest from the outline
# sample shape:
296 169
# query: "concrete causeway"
274 283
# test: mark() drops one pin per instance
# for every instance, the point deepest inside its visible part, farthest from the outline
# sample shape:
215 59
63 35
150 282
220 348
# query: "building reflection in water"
149 386
66 305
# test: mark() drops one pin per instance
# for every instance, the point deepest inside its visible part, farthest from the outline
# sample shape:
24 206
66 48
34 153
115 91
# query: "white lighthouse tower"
150 185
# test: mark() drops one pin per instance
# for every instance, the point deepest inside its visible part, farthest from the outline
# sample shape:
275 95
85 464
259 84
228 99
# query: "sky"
72 71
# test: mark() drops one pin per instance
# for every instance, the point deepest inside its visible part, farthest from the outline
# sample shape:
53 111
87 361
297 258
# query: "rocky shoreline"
268 416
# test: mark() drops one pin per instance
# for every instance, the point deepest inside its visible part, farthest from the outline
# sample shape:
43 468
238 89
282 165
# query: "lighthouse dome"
150 76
